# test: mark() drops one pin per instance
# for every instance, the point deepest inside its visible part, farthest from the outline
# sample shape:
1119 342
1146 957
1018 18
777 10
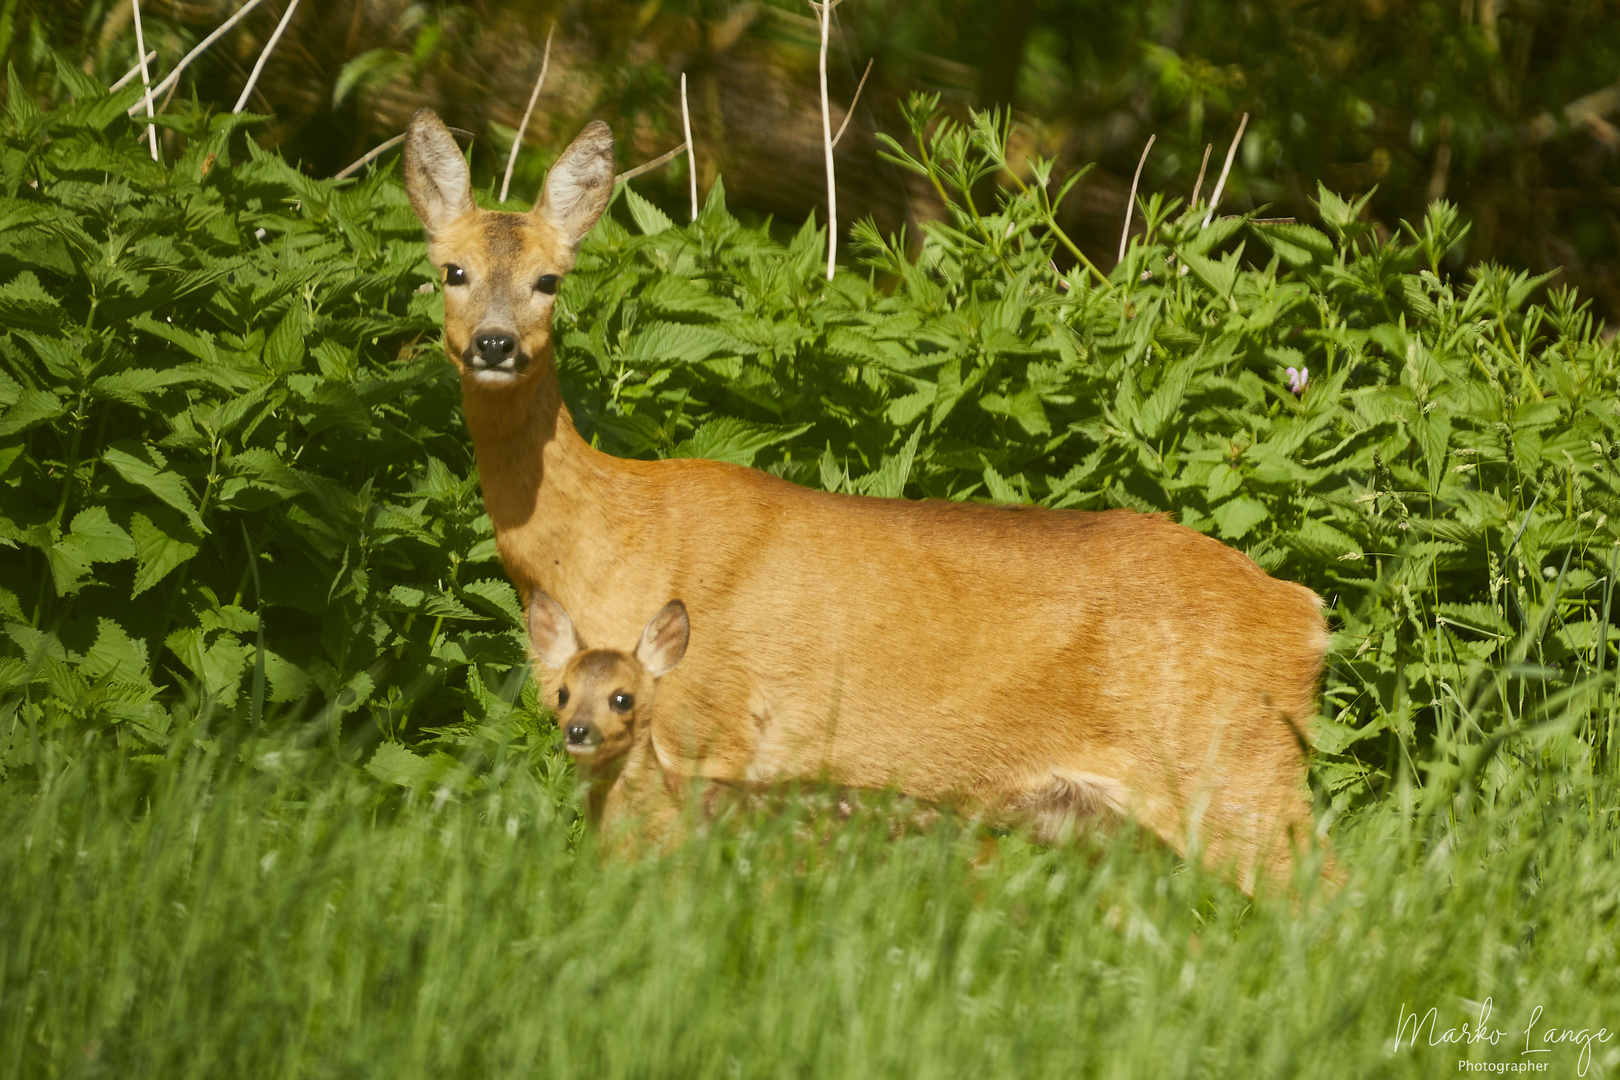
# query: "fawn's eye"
562 697
547 284
454 275
621 702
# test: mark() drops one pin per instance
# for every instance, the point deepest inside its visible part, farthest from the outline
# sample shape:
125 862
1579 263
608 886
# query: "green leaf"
143 467
1236 517
726 438
1432 431
678 296
392 763
648 218
1297 245
1000 489
369 68
157 551
1025 407
115 654
1219 275
33 407
888 480
496 597
664 344
93 539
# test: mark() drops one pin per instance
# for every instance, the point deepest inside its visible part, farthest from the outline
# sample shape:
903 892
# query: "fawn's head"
501 270
600 694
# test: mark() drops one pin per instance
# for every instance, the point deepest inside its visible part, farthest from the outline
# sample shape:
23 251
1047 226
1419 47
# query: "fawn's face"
501 271
602 696
597 700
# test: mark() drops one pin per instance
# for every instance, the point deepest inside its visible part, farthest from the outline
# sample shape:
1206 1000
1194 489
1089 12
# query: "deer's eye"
562 697
547 284
454 275
621 702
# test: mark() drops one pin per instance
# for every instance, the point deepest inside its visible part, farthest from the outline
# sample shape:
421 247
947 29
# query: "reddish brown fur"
1028 661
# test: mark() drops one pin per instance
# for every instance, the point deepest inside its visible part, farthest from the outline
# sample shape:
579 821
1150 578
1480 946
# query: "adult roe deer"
1043 663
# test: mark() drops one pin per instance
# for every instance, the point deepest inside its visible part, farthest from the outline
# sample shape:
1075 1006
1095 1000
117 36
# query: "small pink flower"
1298 379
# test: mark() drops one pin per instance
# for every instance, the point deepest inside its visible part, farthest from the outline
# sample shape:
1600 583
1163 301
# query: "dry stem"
173 77
269 47
383 148
124 79
517 141
662 159
691 155
1130 203
824 19
1220 185
146 80
1199 186
856 100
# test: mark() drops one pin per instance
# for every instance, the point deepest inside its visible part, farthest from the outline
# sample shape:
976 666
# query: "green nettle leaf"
1432 431
93 538
1000 489
157 551
434 604
145 467
1297 245
648 218
662 344
1323 541
33 407
888 480
115 654
1235 517
395 764
284 352
496 597
1220 275
1025 407
737 441
678 296
1165 401
218 664
1223 480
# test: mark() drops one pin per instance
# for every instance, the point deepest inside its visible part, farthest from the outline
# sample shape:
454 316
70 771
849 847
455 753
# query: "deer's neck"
549 494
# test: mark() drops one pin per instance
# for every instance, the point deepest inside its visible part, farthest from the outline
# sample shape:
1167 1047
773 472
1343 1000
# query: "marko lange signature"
1539 1037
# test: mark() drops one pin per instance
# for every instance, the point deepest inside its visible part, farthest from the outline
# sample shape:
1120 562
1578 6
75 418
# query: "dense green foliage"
215 436
224 404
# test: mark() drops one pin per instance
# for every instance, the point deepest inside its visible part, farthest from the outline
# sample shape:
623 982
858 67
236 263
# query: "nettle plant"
235 475
237 480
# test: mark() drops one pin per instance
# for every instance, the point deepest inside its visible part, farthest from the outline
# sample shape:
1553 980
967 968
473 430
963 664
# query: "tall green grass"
252 909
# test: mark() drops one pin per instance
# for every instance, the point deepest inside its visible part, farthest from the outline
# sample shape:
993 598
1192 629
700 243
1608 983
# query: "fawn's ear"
552 640
663 643
579 185
436 176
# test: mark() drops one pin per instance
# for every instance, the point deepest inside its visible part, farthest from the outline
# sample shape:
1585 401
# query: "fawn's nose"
496 351
577 734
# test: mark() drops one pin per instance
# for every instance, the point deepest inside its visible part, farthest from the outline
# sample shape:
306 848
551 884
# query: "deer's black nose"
495 351
578 733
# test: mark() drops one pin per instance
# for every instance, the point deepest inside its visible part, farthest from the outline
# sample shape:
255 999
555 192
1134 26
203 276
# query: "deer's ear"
436 175
663 642
552 640
579 185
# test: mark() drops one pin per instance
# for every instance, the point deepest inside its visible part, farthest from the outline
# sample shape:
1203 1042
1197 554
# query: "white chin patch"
580 750
494 376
